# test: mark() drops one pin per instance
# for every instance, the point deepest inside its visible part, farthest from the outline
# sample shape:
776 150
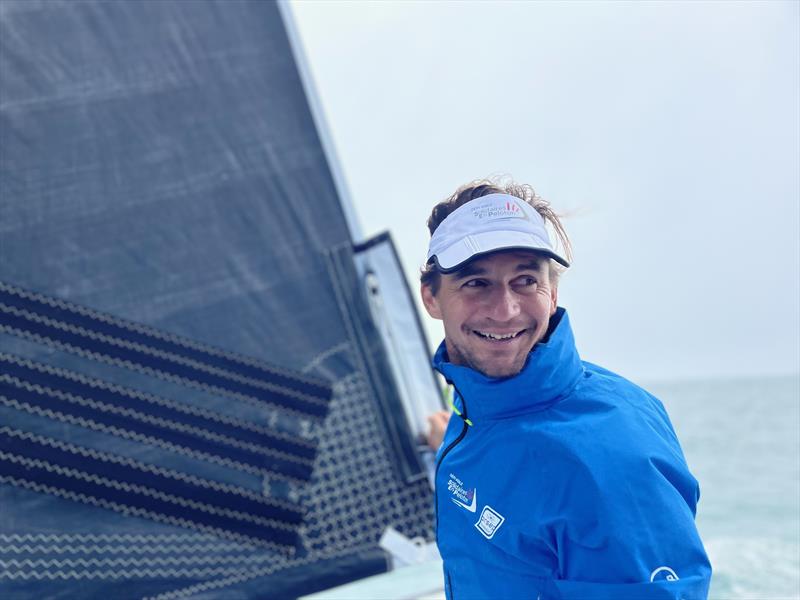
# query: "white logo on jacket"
489 522
460 495
664 573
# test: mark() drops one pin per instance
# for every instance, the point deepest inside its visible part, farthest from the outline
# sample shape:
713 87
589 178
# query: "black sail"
194 397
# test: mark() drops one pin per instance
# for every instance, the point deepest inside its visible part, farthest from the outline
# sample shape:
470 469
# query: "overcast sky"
670 133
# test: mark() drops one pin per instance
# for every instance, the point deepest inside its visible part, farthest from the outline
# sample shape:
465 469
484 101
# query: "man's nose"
504 304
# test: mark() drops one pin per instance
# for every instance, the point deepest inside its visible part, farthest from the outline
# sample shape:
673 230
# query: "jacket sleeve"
628 531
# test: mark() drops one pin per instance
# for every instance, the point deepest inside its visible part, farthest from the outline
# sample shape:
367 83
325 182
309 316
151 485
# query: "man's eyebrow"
468 270
533 265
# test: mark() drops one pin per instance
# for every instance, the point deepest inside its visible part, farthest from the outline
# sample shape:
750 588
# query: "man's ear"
430 302
553 299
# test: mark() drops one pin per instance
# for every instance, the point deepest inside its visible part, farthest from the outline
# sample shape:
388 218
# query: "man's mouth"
499 337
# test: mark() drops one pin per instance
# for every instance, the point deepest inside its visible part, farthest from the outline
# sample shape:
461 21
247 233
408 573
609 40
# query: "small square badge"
489 522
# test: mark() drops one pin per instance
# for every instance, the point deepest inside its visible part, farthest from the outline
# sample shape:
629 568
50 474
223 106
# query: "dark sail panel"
193 395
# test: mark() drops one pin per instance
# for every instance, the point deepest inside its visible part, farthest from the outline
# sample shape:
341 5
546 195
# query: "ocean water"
741 439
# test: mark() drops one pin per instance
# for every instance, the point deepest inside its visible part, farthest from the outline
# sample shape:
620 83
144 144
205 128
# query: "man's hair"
430 275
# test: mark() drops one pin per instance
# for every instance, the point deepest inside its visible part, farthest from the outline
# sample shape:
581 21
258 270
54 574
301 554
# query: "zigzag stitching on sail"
138 395
350 386
100 538
140 512
132 435
46 563
127 573
122 460
214 549
139 416
162 335
145 491
126 364
265 385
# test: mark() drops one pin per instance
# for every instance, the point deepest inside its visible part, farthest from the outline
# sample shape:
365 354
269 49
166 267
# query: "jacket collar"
550 373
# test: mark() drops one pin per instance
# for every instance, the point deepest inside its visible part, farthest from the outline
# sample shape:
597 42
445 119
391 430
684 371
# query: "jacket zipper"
452 445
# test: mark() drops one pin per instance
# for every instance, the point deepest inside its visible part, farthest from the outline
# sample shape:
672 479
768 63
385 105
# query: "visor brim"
453 266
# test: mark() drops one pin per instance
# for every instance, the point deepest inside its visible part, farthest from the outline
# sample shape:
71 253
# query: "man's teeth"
498 336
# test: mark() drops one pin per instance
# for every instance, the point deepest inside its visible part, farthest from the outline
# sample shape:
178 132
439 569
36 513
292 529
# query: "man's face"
494 310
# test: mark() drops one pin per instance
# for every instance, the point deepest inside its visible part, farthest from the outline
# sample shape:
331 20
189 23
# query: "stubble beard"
464 358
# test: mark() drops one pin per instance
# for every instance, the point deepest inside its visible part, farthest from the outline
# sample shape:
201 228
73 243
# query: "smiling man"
556 478
494 309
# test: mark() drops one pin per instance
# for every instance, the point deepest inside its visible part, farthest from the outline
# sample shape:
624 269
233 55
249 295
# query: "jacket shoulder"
610 434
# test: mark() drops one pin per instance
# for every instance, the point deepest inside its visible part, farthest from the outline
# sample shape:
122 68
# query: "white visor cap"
487 224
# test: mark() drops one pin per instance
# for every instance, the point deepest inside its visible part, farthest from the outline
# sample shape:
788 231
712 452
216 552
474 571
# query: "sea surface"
741 439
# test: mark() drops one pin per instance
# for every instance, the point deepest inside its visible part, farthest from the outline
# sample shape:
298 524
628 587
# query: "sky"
667 133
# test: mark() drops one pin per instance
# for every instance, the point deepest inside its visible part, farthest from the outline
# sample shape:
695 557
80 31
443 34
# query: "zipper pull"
450 396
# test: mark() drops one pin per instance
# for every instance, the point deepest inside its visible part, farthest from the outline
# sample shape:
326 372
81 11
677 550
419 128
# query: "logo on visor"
494 211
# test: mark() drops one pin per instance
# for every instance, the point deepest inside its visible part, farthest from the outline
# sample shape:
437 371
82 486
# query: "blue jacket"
564 481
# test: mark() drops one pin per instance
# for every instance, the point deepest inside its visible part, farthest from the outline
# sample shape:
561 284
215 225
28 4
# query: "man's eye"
526 281
473 283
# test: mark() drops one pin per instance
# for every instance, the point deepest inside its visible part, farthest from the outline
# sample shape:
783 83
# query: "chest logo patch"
461 496
489 522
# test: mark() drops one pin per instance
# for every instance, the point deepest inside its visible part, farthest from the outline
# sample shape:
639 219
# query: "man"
556 478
